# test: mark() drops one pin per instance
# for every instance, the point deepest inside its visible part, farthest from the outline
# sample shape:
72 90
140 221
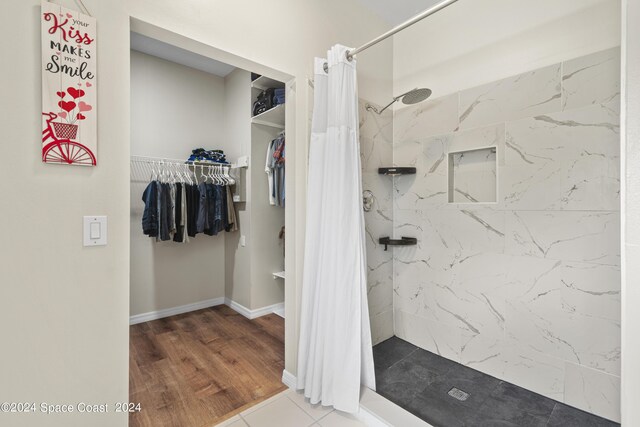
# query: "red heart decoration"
76 93
69 15
80 116
67 106
61 94
89 84
83 106
62 114
58 53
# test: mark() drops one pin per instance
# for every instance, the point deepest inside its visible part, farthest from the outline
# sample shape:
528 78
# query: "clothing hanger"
224 174
214 174
192 175
214 178
221 179
231 179
216 171
187 175
179 177
172 177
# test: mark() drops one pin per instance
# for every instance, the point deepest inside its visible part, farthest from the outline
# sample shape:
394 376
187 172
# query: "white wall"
630 213
69 306
238 129
476 42
174 109
267 251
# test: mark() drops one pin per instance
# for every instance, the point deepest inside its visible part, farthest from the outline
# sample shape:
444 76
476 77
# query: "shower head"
408 98
416 95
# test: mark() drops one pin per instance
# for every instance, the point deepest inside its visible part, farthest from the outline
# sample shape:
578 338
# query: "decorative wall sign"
69 114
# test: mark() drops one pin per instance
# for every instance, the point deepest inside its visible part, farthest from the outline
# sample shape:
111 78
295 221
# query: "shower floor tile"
420 381
391 351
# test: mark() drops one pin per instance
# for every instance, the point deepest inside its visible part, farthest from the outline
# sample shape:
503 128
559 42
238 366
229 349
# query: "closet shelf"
264 82
273 117
278 275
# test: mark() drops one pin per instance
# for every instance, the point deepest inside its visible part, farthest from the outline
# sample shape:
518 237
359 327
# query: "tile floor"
291 409
419 381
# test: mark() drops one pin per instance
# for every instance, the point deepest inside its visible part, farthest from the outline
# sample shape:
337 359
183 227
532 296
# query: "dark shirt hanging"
210 227
202 222
220 209
193 205
165 212
150 213
179 234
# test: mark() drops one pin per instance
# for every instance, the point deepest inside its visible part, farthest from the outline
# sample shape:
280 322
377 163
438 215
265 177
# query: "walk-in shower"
501 306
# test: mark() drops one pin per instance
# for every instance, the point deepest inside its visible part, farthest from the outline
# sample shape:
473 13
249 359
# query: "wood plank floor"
199 368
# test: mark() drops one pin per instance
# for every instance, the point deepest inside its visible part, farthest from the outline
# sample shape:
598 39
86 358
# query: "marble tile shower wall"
526 289
376 150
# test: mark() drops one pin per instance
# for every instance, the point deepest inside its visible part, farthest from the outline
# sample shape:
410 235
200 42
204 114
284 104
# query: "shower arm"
370 107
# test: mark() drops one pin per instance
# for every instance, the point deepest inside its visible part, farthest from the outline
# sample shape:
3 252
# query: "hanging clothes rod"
156 160
397 29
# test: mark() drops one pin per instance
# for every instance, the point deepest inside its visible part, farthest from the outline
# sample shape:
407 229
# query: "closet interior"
207 236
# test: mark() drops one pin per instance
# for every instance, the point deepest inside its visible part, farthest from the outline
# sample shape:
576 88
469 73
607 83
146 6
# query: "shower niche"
473 176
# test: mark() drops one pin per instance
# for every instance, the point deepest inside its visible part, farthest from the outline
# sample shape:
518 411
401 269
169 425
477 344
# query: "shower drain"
456 393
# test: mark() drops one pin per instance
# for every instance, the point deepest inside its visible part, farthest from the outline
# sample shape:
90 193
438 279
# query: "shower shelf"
404 241
397 171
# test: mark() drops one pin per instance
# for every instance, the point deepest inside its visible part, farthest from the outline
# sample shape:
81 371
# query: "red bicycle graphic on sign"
63 150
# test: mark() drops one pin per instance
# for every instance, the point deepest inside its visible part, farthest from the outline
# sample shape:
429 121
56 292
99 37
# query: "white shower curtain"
335 356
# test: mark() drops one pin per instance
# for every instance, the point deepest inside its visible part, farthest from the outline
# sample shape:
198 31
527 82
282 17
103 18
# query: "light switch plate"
95 230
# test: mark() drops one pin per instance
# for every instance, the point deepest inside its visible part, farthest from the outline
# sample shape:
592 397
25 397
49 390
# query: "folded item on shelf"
264 102
202 155
278 96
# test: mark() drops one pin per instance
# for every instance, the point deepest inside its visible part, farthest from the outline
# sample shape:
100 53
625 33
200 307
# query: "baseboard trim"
289 379
159 314
249 314
253 314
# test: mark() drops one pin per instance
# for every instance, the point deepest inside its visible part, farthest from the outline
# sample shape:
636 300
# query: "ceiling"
395 12
175 54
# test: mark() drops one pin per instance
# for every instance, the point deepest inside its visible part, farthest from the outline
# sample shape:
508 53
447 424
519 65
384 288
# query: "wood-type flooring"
199 368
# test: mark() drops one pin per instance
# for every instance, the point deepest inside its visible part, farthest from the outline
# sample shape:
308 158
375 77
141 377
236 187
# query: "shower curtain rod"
397 29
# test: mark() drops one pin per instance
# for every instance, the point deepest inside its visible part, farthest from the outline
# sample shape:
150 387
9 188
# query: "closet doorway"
207 245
